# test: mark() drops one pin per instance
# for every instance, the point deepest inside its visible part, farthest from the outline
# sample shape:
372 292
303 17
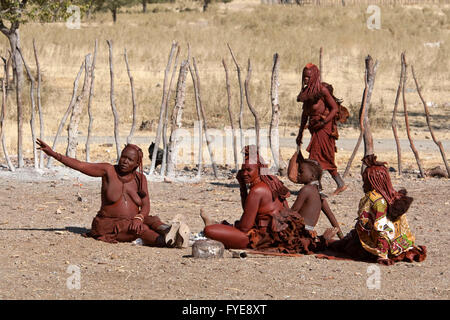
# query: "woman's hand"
136 225
45 148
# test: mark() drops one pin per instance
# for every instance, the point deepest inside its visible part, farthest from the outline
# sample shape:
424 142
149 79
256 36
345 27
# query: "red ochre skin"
265 209
125 204
319 115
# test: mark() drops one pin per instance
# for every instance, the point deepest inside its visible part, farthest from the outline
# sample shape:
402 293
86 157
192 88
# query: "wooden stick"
205 126
408 132
394 121
39 104
241 98
3 116
230 115
66 114
320 63
112 99
163 105
200 124
369 81
427 114
133 99
166 116
89 108
72 132
33 108
274 138
250 106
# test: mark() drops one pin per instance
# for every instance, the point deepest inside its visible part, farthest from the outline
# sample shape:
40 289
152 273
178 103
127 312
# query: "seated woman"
381 232
310 200
124 212
267 223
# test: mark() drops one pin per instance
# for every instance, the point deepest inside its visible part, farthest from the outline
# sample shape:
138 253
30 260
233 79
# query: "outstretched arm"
90 169
327 210
303 123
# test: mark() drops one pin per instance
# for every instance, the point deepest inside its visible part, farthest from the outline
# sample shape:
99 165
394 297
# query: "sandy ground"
43 214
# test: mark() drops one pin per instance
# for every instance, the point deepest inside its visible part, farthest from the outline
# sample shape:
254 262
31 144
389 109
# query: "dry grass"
254 31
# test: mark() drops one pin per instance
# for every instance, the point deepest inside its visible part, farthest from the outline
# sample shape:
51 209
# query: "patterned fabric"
377 234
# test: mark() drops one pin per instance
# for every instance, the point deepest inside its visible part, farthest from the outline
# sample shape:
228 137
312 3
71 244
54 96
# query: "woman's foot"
339 190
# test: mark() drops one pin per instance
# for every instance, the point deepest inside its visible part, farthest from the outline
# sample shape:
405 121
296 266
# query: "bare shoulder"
307 190
260 189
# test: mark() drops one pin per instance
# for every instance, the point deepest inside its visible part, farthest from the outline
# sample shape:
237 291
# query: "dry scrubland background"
254 31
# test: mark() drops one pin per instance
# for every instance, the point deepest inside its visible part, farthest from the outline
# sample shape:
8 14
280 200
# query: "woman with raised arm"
125 207
267 223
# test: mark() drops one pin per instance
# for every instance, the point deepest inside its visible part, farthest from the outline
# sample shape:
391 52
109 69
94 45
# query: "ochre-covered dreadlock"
313 90
378 176
277 187
138 175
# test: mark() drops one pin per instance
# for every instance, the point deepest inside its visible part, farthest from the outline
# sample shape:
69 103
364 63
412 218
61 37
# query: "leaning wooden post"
66 114
133 99
33 108
250 106
241 98
200 124
89 104
205 126
112 99
230 115
72 131
166 116
39 104
427 114
371 68
394 120
3 117
274 137
176 122
163 105
320 63
369 81
408 132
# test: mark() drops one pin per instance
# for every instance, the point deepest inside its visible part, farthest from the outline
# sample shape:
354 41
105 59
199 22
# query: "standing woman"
320 109
125 207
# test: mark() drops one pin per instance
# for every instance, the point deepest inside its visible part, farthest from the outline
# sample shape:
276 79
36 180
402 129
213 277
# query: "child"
310 200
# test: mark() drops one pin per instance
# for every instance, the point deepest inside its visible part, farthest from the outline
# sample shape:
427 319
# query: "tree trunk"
172 147
427 115
394 121
405 108
3 117
91 94
200 124
17 64
39 105
133 99
250 106
33 109
205 126
166 116
66 114
274 136
144 6
230 115
241 99
112 99
72 132
114 15
163 105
